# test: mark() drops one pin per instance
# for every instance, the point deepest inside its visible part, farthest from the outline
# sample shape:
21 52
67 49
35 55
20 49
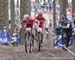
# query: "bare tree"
63 6
25 9
3 12
12 16
54 13
73 8
73 11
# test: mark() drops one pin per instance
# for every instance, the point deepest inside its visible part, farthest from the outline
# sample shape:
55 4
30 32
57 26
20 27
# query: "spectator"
67 28
49 6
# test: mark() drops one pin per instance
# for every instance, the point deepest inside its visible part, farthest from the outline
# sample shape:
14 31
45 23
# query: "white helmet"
26 16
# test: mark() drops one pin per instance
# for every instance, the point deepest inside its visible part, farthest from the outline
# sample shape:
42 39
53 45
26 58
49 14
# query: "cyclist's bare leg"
32 40
41 38
32 37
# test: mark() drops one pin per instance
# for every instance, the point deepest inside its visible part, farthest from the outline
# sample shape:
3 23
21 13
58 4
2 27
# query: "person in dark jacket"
67 28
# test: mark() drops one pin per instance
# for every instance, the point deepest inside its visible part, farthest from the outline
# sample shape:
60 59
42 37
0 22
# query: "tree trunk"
25 9
73 8
3 12
73 11
63 6
54 13
12 16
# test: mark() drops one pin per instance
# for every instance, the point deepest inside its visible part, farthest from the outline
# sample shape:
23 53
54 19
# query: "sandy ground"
47 52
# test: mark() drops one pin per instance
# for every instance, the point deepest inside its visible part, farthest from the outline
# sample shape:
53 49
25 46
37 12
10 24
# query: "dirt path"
47 52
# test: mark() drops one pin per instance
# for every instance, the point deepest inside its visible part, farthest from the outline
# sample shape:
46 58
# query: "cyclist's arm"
23 23
36 21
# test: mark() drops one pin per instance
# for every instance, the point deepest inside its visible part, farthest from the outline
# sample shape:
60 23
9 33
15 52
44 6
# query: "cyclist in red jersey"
41 20
28 22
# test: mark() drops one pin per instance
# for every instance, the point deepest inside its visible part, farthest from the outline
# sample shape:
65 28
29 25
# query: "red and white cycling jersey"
28 23
41 19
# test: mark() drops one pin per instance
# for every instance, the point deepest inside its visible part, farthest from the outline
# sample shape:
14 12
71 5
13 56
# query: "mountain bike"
38 35
28 40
